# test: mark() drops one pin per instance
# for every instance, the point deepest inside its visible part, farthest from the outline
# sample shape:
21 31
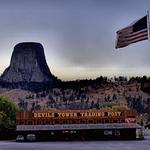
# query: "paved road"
92 145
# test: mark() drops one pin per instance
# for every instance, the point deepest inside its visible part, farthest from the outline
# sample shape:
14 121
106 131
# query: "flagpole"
148 25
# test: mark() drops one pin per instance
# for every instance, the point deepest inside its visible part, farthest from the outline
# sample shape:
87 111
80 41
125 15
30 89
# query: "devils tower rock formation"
28 64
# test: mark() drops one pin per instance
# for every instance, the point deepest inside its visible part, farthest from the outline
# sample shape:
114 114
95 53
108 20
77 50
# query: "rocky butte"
28 65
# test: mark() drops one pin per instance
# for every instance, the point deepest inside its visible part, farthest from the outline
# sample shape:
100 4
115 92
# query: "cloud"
75 34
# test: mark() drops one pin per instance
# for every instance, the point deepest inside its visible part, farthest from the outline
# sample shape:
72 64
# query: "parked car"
20 138
31 137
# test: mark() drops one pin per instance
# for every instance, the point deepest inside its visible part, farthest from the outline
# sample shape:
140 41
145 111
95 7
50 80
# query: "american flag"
137 31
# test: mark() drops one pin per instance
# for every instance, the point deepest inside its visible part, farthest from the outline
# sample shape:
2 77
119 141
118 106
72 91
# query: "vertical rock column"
28 64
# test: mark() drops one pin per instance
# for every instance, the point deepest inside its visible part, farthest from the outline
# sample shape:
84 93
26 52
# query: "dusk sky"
78 36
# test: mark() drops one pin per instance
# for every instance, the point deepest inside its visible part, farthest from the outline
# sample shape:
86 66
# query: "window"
117 132
47 122
107 121
115 121
108 132
73 121
90 121
29 122
21 122
56 122
39 122
99 121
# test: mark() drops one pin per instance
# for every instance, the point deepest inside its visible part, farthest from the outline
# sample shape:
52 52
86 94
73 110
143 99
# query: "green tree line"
7 112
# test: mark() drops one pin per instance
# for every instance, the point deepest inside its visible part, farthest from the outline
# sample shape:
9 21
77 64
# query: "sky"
78 36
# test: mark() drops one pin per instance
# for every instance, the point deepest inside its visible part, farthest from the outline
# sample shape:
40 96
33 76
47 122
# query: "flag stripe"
133 41
139 39
132 34
139 32
137 36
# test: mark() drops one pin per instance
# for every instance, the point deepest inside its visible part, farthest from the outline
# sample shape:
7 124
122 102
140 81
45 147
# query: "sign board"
76 114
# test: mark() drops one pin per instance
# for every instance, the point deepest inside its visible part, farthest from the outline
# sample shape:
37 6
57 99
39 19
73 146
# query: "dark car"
147 126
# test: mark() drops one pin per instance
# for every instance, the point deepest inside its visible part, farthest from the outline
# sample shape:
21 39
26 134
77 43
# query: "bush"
7 112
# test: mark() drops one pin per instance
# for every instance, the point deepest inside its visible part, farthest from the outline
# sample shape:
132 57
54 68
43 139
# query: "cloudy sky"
78 35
